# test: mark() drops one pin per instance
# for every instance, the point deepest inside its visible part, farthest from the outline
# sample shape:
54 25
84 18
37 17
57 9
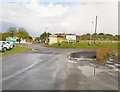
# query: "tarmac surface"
54 69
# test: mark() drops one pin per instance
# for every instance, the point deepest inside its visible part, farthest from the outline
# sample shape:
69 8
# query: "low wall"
102 53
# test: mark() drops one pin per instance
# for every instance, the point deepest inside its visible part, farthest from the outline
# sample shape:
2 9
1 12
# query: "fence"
100 41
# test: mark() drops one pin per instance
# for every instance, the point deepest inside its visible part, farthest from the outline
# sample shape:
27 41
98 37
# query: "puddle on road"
117 66
94 67
83 56
89 70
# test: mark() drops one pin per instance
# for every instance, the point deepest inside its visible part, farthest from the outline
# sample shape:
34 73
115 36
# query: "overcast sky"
60 17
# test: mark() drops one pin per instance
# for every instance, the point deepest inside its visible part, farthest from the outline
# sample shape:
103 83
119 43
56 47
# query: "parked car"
1 48
76 41
10 44
5 46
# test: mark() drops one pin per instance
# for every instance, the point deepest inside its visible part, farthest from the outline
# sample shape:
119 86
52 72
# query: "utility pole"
47 36
46 33
95 30
90 39
12 34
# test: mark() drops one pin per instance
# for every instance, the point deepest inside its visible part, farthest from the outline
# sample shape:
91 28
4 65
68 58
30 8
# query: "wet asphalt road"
51 69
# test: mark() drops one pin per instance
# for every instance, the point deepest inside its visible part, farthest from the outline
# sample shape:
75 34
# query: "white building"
53 39
23 41
71 38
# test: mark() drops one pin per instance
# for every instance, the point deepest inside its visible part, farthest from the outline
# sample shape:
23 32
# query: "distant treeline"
100 36
13 32
88 36
22 33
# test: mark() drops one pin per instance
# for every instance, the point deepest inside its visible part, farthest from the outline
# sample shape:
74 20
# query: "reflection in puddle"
89 70
112 66
117 64
102 61
71 61
109 65
108 62
111 59
84 59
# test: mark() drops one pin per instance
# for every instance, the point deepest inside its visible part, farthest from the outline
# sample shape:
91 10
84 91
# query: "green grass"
118 53
16 49
84 45
37 43
22 44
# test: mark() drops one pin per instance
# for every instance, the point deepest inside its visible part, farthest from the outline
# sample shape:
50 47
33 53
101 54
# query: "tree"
22 33
101 34
117 37
4 35
109 36
70 34
77 37
0 36
61 34
83 37
30 38
11 31
44 35
88 36
95 37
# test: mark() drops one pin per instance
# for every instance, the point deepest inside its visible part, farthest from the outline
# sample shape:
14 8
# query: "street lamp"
47 36
92 25
90 40
90 34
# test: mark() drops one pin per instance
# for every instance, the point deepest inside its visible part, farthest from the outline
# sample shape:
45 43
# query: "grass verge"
84 45
37 43
16 49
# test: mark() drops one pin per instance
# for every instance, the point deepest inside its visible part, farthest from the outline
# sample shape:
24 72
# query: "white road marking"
20 72
55 73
